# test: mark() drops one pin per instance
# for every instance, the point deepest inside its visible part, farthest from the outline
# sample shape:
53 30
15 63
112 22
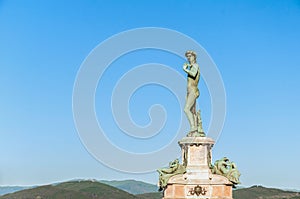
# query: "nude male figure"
193 71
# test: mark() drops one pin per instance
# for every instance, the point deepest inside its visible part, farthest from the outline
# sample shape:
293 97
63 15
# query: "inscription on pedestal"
194 155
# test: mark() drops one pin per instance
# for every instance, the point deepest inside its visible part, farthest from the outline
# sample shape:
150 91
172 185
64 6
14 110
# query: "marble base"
198 181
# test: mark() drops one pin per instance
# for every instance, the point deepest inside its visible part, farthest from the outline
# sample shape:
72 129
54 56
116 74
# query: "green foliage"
155 195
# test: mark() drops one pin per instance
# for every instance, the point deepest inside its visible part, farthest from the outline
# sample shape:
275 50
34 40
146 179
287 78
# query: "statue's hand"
185 66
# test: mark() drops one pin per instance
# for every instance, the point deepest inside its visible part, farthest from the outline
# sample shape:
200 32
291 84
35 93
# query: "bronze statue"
193 75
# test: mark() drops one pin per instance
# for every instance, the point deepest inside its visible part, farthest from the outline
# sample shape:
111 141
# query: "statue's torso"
192 82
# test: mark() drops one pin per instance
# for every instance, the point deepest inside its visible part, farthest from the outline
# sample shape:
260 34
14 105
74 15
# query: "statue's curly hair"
192 53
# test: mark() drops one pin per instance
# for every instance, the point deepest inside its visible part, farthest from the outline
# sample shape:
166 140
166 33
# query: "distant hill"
82 189
72 190
11 189
259 192
155 195
132 186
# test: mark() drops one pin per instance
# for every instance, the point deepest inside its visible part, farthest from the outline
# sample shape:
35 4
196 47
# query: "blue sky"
255 45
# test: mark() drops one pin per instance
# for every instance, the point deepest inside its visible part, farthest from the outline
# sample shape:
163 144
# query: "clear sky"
255 45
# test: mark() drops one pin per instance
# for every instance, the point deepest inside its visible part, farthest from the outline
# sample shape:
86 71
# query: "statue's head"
175 163
191 56
225 159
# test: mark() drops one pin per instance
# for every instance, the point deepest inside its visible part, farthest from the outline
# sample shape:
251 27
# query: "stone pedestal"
198 181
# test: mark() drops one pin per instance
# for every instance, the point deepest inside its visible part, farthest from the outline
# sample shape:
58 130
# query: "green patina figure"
193 75
227 169
166 173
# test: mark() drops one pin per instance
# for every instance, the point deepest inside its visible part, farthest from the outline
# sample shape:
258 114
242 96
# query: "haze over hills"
12 189
92 189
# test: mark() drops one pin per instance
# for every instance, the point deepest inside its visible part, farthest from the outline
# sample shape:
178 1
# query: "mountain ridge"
94 189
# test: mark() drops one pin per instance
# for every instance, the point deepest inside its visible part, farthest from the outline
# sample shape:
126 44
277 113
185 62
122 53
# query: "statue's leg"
193 110
190 102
